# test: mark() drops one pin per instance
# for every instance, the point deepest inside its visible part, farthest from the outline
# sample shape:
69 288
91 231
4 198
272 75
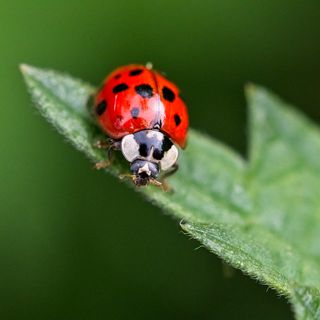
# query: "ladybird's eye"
169 158
177 119
168 94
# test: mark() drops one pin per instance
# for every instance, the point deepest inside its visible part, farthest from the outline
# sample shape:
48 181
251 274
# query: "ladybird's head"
148 152
144 171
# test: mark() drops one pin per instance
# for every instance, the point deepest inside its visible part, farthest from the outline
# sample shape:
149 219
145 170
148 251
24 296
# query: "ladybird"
145 117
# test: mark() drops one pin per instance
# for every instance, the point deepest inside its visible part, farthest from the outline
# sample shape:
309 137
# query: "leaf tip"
24 68
250 88
27 69
256 94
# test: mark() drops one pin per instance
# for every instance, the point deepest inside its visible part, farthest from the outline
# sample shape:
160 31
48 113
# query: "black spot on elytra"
135 72
120 87
144 90
177 119
117 76
135 113
143 150
101 107
168 94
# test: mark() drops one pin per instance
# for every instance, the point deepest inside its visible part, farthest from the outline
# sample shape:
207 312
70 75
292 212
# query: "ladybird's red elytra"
144 113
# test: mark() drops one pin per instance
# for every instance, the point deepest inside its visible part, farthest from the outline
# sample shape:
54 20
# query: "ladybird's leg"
104 144
126 175
157 183
111 145
166 187
102 164
116 145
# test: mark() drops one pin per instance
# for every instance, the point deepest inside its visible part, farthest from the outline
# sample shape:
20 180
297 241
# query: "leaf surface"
261 215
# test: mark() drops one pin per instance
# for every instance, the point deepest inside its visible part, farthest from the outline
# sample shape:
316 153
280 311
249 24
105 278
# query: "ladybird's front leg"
163 185
104 144
123 176
110 145
157 183
102 164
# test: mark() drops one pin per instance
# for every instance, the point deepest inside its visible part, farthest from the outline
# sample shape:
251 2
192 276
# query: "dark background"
76 244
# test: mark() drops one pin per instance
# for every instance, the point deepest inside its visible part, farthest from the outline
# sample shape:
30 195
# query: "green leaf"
261 216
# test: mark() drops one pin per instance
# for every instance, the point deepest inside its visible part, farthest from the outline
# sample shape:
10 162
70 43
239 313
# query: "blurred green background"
76 244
